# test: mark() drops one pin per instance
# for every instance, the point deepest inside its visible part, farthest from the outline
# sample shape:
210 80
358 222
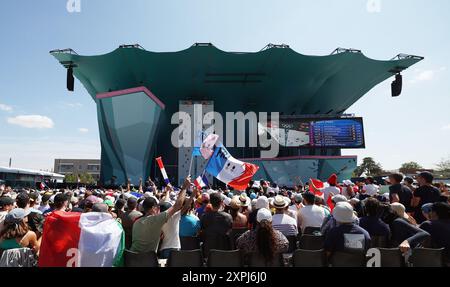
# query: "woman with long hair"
263 239
16 233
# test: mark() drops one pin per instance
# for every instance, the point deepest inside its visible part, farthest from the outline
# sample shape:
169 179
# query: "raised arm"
181 197
188 204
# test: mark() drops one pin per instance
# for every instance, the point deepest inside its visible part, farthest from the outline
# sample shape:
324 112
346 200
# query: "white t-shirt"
2 218
371 189
171 232
285 224
311 216
330 191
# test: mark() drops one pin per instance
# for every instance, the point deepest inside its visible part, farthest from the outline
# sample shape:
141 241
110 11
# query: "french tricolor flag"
229 170
201 182
163 170
72 239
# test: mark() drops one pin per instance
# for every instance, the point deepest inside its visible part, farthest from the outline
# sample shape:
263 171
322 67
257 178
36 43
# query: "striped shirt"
285 224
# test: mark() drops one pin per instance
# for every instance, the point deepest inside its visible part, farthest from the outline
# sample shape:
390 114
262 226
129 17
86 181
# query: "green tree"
70 178
369 167
443 168
85 178
410 167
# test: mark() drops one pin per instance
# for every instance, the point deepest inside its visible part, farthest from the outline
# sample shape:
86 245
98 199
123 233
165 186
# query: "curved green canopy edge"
275 79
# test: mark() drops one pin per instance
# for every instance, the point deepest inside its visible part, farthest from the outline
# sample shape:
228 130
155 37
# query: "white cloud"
446 128
32 121
71 105
6 108
423 75
83 130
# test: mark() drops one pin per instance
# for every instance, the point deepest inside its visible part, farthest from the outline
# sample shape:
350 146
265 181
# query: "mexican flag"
72 239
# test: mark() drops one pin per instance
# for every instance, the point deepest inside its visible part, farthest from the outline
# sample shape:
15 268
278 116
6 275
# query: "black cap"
163 206
6 200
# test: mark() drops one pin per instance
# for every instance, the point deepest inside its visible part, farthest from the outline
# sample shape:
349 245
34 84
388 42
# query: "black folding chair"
234 235
379 242
189 243
311 242
427 257
311 230
348 259
391 257
134 259
217 242
309 258
225 258
255 259
185 258
292 243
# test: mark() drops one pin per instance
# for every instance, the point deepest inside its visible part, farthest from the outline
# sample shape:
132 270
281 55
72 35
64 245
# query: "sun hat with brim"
264 214
16 215
279 202
343 212
244 200
235 203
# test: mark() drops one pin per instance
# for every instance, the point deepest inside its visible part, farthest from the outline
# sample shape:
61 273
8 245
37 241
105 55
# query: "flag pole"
190 164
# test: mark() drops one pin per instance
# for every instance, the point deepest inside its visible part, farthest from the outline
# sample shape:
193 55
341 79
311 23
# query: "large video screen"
317 133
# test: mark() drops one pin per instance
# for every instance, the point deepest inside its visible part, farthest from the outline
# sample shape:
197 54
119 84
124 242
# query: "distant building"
78 167
20 177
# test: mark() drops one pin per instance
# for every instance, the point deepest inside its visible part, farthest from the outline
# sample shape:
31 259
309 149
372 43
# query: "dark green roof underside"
276 79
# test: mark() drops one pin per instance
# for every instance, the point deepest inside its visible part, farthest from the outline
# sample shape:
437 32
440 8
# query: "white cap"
343 212
399 209
339 198
227 201
262 202
264 214
347 182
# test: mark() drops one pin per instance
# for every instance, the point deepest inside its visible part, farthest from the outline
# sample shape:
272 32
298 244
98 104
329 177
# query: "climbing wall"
196 110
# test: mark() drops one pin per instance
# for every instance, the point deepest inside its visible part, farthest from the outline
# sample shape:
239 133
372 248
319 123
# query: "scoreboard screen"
317 133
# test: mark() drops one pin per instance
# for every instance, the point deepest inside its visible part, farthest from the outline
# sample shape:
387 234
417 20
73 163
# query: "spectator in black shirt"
425 193
400 193
439 227
372 222
215 226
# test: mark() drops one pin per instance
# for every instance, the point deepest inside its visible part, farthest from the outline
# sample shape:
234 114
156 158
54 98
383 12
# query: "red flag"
315 186
61 233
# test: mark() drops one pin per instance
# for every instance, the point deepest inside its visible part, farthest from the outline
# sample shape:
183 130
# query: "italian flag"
73 239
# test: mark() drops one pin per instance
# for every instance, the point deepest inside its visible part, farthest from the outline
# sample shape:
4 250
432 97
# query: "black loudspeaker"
70 79
396 86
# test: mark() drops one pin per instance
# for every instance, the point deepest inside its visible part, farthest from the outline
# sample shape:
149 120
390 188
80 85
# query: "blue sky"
415 126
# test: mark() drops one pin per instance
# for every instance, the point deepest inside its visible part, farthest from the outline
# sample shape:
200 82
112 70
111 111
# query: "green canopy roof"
274 79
